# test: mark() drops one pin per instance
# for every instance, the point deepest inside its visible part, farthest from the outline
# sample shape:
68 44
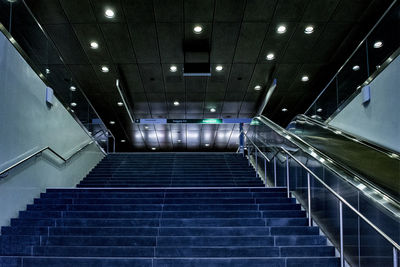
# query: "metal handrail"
396 246
39 152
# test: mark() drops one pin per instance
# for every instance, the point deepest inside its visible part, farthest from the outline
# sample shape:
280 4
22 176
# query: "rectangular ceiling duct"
196 58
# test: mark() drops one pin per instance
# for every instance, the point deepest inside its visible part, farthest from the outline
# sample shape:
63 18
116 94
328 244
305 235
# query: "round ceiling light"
305 78
378 44
72 88
105 69
319 110
309 30
112 122
207 144
94 45
123 141
173 68
109 13
212 110
270 56
176 103
73 104
219 68
153 148
281 29
257 87
356 67
197 29
120 104
284 109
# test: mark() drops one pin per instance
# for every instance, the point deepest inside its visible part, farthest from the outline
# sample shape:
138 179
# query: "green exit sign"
212 121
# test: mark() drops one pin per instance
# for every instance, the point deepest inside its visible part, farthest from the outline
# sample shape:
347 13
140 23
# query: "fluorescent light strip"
123 100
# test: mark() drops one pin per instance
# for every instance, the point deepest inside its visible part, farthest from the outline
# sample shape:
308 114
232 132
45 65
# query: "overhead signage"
198 121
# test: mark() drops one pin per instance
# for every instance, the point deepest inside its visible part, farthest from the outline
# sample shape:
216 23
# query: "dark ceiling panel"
284 71
349 11
239 77
152 78
131 76
199 10
64 38
320 10
138 10
118 42
144 38
290 10
250 42
47 11
224 39
259 10
168 10
170 36
78 11
229 11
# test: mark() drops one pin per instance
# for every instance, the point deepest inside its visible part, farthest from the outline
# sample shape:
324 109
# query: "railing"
378 48
311 195
4 172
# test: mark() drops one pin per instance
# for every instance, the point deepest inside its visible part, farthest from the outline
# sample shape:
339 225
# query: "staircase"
169 218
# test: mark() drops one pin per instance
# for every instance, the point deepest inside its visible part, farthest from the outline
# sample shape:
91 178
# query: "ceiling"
144 38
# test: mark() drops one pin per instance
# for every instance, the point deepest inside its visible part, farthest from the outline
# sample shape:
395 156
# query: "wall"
378 121
28 124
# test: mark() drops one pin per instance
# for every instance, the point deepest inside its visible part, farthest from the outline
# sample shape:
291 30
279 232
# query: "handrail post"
275 171
256 161
341 233
287 176
265 172
309 199
395 257
248 155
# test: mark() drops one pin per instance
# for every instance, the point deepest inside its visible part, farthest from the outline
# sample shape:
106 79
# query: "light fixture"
257 87
309 30
207 144
105 69
284 109
176 103
270 56
319 110
94 45
109 13
123 141
112 122
305 78
356 67
179 140
212 110
378 44
173 68
219 68
197 29
146 127
153 148
73 104
120 104
281 29
47 71
72 88
73 111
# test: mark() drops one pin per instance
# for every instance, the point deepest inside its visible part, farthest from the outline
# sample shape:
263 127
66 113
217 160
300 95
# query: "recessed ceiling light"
73 104
72 88
219 68
378 44
179 140
153 148
105 69
72 110
173 68
257 87
109 13
146 127
213 109
123 141
319 110
284 109
47 71
112 122
120 104
103 140
309 30
304 78
207 144
176 103
270 56
281 29
197 29
94 45
356 67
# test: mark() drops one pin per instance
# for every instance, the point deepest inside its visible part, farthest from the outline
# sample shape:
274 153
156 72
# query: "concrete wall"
28 124
378 121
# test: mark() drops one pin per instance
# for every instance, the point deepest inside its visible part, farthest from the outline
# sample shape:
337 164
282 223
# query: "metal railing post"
275 171
309 199
395 257
341 234
248 154
256 161
287 176
265 172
